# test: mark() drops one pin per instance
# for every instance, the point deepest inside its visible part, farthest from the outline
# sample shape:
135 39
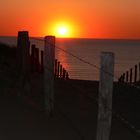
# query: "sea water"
81 57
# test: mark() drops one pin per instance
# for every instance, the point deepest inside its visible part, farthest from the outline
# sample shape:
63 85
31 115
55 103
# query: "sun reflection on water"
63 58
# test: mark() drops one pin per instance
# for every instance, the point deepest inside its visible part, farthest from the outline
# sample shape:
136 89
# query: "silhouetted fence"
131 76
45 62
31 58
60 72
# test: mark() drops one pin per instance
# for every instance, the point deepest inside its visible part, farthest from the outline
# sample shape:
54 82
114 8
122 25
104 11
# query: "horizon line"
78 38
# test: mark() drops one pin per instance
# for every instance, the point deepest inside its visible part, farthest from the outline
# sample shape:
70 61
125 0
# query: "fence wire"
117 115
86 62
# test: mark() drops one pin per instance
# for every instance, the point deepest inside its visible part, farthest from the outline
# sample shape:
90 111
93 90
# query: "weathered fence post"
42 62
23 54
64 73
49 59
131 75
61 71
123 77
37 59
135 75
55 71
127 76
58 69
33 58
105 96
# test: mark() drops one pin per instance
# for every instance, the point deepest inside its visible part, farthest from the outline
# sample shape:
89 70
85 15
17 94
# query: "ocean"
127 55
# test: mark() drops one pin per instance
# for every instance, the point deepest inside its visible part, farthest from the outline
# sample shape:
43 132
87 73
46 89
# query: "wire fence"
88 63
94 100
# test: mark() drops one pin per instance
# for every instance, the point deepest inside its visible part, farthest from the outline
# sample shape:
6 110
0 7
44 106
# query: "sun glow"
61 29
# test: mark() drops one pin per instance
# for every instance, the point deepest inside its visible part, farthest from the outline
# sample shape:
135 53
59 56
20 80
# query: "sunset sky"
82 18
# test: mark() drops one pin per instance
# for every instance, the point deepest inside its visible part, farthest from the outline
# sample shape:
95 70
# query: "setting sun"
61 29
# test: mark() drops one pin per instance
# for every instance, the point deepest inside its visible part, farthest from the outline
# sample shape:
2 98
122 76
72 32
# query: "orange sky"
87 18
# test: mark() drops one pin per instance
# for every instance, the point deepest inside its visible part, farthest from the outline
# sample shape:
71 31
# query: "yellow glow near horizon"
61 29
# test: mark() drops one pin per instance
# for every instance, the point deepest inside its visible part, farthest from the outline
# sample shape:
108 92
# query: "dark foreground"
22 114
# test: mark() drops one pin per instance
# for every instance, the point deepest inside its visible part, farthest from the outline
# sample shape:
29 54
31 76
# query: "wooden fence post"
58 69
123 77
131 75
61 71
55 67
105 96
42 62
33 57
37 59
127 76
135 75
23 54
64 73
49 59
